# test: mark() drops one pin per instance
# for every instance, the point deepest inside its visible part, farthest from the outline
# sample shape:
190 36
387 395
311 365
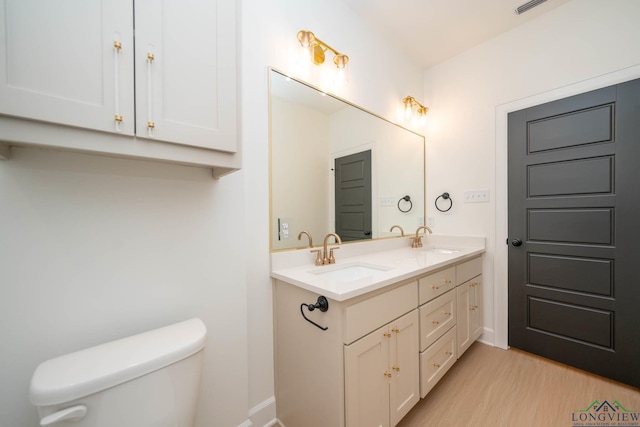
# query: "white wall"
580 45
379 77
94 249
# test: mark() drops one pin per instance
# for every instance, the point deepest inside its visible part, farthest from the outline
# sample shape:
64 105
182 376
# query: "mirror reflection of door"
353 196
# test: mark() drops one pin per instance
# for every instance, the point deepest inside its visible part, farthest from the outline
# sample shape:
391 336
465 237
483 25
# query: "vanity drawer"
365 316
436 284
468 270
437 317
436 361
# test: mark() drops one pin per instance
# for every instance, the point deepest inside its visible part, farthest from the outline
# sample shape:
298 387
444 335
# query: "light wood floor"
489 386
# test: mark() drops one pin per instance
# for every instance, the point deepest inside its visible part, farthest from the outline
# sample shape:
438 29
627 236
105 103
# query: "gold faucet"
328 258
417 241
397 226
308 235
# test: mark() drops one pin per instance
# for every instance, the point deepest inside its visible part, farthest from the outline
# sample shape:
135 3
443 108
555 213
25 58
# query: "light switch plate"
476 196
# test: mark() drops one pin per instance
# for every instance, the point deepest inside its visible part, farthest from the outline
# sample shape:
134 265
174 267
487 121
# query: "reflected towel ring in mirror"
406 199
444 196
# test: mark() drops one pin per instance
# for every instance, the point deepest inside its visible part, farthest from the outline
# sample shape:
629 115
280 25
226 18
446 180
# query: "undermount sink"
349 272
444 251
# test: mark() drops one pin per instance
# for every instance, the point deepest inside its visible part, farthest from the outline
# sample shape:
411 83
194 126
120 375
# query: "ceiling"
432 31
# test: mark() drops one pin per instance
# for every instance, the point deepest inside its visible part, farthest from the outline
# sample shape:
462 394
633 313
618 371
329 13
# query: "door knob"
516 242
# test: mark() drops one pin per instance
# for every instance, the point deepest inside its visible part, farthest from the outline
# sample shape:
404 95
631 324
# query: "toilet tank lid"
98 368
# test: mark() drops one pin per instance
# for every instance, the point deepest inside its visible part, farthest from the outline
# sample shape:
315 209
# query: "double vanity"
360 341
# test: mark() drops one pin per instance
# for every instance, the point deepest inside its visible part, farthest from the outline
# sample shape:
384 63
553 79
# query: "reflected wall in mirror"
336 167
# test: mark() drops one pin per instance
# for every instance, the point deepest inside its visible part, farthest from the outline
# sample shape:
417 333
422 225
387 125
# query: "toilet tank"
145 380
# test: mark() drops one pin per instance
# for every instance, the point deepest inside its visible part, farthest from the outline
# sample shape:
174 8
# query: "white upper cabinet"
166 91
59 63
185 72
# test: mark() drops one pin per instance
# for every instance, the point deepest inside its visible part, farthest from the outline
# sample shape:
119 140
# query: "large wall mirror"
336 167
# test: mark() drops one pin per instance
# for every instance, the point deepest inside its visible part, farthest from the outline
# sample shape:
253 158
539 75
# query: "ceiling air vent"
528 5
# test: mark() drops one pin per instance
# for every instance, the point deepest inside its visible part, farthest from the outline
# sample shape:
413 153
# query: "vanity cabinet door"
186 72
405 366
382 374
367 378
469 296
62 63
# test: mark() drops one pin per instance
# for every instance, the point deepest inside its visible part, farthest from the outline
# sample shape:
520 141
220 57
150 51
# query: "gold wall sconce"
315 50
409 103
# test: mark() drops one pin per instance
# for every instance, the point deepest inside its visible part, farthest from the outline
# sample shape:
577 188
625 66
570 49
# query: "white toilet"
146 380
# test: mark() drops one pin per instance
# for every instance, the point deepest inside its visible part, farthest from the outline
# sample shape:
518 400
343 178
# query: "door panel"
353 196
573 201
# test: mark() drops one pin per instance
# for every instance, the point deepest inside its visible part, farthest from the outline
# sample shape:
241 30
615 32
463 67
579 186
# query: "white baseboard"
488 337
263 414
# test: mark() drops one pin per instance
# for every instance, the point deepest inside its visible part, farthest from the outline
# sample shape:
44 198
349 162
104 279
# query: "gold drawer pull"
474 284
448 353
436 365
387 334
395 368
447 281
387 374
435 288
117 45
435 322
473 307
396 330
446 313
118 118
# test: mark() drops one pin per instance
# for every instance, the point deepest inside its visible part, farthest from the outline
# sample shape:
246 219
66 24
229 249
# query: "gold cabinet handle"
446 313
118 118
387 374
151 125
395 368
448 353
447 281
435 322
473 307
150 56
387 334
435 287
396 330
473 284
117 45
437 365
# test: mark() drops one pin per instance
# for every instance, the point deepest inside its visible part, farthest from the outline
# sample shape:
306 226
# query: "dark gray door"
353 196
574 231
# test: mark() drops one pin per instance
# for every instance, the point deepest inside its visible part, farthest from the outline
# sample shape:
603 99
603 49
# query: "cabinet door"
469 320
186 72
475 313
58 62
405 366
367 377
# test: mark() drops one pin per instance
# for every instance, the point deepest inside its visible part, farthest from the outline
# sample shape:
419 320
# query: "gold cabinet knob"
387 334
396 330
395 368
117 45
150 57
435 287
437 365
448 353
118 118
446 313
151 125
435 322
387 374
447 281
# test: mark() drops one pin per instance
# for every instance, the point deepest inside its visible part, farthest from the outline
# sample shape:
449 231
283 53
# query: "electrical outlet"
476 196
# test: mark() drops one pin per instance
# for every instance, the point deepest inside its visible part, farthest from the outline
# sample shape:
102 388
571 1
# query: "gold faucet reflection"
308 235
397 226
326 257
417 241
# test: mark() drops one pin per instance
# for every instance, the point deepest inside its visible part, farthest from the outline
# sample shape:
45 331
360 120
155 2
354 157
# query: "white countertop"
393 259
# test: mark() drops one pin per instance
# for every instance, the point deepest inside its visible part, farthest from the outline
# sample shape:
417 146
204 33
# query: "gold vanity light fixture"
315 49
409 103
